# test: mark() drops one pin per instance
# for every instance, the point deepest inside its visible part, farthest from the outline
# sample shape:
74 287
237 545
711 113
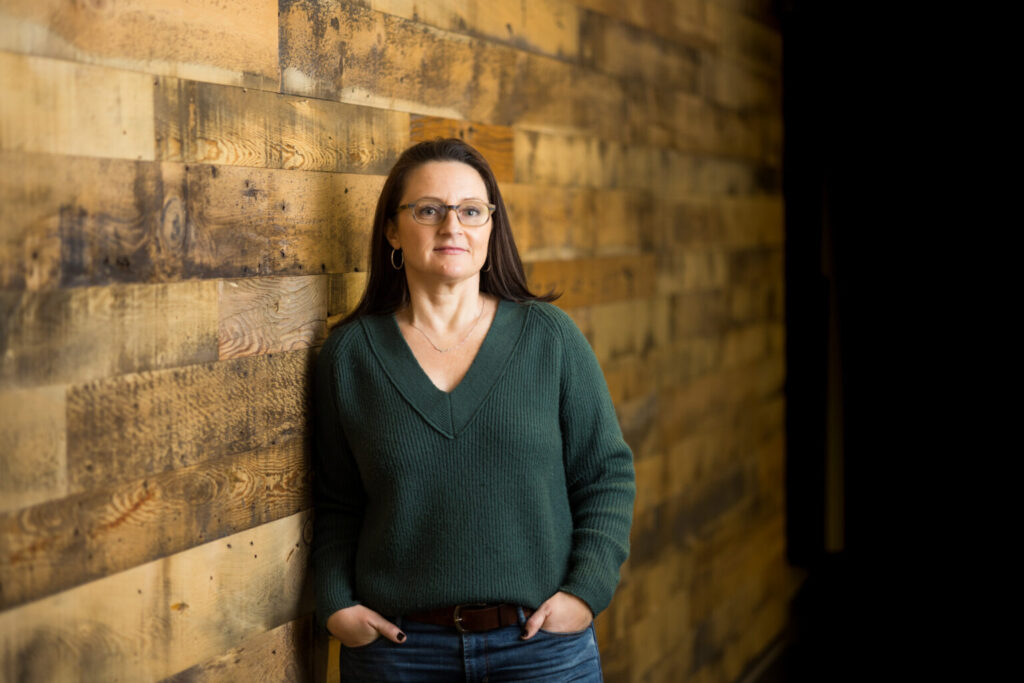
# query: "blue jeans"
436 653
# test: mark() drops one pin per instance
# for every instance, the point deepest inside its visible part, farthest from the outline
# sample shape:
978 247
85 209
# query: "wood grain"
216 124
65 336
231 41
280 654
493 142
73 221
164 616
33 467
269 315
66 542
174 418
68 108
244 222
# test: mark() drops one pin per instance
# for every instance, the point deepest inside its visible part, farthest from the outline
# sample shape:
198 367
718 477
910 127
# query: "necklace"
450 348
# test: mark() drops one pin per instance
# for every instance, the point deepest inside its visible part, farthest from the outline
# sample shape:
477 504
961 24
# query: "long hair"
386 288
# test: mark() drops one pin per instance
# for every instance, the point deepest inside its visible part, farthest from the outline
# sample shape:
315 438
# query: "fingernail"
401 637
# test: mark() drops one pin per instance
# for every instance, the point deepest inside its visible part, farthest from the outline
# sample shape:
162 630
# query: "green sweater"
515 485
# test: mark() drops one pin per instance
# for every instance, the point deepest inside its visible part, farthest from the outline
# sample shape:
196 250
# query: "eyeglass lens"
469 213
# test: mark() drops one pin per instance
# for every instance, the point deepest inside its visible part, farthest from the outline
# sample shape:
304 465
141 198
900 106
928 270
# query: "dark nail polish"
401 637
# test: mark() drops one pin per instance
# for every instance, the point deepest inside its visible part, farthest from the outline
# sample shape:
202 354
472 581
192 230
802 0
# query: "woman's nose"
451 223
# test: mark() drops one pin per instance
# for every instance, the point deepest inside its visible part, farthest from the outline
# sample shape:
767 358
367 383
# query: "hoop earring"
488 268
402 256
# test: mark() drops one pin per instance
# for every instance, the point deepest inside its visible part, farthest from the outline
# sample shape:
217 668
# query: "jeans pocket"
566 634
367 646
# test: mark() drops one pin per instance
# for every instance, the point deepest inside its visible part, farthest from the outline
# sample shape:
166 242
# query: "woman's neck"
445 310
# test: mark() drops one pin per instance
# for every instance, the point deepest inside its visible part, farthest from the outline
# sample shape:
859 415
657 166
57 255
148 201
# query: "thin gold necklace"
450 348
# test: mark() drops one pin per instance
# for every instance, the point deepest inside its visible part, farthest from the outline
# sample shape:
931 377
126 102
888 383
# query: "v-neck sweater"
511 487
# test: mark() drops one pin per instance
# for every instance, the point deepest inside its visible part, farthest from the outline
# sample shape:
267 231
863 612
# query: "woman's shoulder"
554 322
343 337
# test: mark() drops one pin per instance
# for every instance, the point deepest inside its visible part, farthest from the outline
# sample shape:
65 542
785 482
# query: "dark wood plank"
66 542
209 123
65 336
244 221
391 62
493 142
173 418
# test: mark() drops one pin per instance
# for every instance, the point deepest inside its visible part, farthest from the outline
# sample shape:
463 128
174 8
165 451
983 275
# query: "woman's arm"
338 496
599 474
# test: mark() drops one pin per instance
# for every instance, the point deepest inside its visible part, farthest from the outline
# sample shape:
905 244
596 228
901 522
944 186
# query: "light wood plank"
230 41
179 417
33 466
268 315
164 616
281 654
66 542
66 108
493 142
209 123
548 26
65 336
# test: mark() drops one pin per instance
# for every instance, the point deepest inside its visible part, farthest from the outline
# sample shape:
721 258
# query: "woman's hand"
561 613
356 626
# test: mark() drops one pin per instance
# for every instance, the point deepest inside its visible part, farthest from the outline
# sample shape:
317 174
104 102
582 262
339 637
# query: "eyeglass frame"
491 208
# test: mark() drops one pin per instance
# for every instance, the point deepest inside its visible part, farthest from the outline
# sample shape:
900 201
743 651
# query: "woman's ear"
392 234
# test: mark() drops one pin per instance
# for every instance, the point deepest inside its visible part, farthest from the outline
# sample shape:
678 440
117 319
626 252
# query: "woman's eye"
471 211
428 210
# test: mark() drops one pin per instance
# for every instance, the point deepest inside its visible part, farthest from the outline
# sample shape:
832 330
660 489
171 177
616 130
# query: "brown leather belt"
471 618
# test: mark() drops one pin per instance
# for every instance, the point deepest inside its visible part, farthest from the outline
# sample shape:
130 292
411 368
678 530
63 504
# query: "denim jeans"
436 653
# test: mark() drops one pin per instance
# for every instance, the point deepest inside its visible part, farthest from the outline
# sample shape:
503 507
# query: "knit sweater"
513 486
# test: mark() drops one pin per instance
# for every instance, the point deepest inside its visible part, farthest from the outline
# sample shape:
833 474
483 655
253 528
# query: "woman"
473 491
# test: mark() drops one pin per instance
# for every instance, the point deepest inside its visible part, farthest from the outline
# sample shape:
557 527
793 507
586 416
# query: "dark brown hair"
386 288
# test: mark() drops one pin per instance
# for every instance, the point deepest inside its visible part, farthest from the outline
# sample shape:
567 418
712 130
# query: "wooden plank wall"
186 194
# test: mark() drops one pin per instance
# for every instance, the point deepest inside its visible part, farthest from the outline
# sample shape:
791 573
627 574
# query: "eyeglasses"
471 214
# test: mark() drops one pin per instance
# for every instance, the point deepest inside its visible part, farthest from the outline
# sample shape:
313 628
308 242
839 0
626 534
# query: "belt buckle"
457 617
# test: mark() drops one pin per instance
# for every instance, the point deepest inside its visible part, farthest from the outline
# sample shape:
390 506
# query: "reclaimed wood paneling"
186 195
67 108
203 122
179 417
164 616
63 543
73 335
230 41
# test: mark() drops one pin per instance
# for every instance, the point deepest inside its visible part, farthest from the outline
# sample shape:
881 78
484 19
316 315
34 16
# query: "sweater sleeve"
599 474
338 496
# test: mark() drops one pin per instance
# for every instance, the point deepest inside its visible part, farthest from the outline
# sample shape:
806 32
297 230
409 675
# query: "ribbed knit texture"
513 486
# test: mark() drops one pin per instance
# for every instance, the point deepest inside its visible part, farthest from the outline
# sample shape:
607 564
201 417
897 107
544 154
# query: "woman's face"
449 251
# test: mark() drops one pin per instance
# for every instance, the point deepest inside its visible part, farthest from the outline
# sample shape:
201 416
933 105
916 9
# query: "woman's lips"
451 250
